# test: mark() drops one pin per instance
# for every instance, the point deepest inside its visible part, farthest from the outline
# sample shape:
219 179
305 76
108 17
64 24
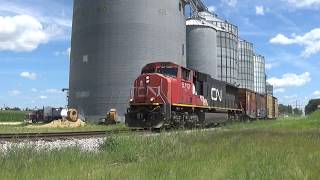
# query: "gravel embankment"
90 145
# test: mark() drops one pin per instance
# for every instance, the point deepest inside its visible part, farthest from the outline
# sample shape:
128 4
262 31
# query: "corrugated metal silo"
269 89
246 65
112 40
227 48
259 74
202 47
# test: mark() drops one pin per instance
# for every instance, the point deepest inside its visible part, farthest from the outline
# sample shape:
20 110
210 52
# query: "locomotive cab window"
185 73
148 71
168 71
199 86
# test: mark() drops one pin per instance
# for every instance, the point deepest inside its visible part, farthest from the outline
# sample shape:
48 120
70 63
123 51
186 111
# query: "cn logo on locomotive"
216 94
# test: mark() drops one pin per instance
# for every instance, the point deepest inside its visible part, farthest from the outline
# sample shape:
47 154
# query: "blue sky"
287 33
35 45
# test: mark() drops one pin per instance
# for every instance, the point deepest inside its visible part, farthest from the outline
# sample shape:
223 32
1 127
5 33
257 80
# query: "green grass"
12 116
293 123
289 149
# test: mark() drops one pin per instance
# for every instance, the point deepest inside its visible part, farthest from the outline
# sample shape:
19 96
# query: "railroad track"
65 135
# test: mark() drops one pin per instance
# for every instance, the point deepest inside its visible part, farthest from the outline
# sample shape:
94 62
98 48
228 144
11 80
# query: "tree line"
313 105
289 110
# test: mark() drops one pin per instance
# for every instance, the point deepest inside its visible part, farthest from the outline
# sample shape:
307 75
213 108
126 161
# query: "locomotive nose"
149 88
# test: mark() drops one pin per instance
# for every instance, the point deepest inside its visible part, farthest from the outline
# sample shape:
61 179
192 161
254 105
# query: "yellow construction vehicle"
110 118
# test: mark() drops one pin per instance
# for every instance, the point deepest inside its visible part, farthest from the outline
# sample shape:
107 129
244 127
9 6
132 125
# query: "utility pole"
298 106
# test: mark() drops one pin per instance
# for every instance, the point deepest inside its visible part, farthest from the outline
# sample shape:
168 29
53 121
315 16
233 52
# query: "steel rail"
60 135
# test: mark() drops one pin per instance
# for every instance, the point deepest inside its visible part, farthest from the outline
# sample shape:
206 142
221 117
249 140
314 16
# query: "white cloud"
316 94
29 75
56 24
60 12
66 52
260 10
212 8
288 80
43 97
310 41
231 3
53 91
15 93
34 90
21 33
291 97
271 65
279 90
305 3
282 39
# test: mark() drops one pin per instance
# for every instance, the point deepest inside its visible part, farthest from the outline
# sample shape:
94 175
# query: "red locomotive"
169 95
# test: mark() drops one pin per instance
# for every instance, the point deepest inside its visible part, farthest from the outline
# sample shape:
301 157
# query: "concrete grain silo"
202 47
112 40
246 65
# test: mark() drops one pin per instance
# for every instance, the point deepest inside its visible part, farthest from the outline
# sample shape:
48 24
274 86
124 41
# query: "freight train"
46 114
167 95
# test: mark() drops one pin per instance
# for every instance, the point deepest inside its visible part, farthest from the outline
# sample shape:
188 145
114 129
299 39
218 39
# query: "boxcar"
261 106
248 103
272 107
276 107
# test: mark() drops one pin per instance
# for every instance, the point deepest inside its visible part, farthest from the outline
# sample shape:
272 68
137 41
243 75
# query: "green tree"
297 112
312 106
285 109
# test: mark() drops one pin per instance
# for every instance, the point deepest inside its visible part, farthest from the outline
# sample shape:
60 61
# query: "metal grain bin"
269 89
227 48
259 74
202 47
112 40
246 65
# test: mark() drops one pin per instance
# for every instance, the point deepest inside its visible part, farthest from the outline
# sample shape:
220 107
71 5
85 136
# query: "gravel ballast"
87 145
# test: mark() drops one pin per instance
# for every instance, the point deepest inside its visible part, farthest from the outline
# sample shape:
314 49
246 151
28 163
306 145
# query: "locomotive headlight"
131 100
148 79
152 99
